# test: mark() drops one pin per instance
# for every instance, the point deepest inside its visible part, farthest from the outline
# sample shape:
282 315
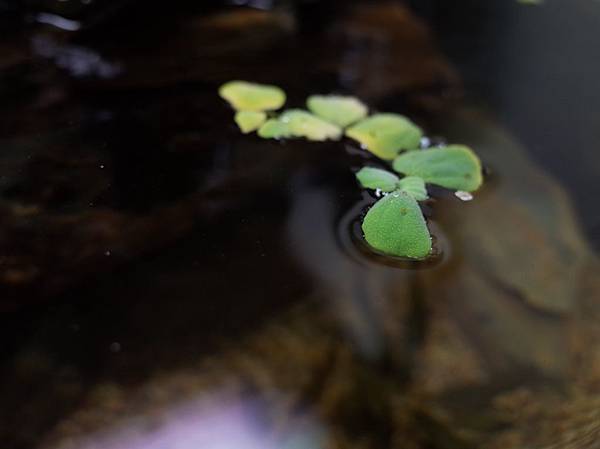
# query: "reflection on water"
58 21
78 61
167 282
215 423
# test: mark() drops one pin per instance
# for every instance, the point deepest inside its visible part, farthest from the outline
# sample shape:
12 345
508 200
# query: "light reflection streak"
204 424
58 21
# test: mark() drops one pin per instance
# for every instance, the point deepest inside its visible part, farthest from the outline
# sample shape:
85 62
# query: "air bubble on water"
463 196
107 253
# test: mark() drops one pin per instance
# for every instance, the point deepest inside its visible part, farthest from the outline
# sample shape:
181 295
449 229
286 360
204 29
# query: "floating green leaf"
274 129
455 167
249 121
304 124
342 111
375 178
245 96
395 225
385 135
414 186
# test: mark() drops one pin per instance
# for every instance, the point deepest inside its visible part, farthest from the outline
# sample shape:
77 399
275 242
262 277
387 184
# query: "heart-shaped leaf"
249 121
385 135
342 111
304 124
375 178
395 226
414 186
245 96
274 129
455 167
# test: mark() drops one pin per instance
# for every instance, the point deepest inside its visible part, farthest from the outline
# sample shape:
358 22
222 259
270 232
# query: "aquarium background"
167 282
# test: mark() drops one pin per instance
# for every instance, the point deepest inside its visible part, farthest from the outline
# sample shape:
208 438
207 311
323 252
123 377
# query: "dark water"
166 282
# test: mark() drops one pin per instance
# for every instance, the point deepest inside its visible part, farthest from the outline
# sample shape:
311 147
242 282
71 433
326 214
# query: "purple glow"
203 424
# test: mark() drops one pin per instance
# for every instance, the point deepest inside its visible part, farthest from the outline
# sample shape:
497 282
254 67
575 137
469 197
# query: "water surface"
168 282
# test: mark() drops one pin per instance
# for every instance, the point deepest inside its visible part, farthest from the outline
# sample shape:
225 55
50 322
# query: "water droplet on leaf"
463 196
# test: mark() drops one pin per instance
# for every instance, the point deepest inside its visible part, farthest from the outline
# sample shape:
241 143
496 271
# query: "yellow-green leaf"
304 124
246 96
375 178
414 186
455 167
385 135
249 121
395 225
274 129
339 110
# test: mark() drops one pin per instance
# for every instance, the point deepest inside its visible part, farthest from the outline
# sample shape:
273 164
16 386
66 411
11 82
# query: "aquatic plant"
385 135
339 110
395 224
299 123
304 124
455 167
245 96
249 121
377 179
385 181
414 186
274 129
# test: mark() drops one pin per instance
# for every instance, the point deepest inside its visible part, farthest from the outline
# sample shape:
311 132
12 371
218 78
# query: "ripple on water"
351 239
